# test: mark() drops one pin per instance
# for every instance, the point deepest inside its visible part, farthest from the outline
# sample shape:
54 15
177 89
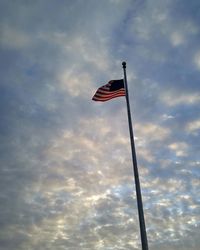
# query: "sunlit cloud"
173 99
180 148
152 132
76 85
193 126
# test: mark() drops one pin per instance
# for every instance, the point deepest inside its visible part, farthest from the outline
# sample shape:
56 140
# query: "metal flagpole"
135 170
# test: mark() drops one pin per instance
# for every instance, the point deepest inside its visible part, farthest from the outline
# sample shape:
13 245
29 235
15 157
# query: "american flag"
112 89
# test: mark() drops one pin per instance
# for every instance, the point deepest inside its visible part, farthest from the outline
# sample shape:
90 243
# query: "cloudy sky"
65 162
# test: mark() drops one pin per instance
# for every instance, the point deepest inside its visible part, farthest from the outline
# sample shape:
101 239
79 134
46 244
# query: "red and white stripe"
104 94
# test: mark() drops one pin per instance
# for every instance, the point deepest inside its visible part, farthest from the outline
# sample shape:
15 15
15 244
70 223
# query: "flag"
112 89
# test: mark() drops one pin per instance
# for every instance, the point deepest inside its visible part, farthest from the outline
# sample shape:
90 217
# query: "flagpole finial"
124 65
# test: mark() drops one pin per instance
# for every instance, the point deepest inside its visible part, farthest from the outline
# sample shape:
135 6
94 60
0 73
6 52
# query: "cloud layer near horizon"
65 170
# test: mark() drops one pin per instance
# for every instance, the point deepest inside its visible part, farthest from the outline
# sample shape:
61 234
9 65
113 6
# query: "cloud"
177 39
180 148
173 99
66 169
197 60
193 126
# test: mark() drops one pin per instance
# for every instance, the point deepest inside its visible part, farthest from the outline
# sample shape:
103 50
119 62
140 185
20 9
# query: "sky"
66 175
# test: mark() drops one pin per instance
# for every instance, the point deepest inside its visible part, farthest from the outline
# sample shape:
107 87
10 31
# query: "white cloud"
180 148
71 183
172 98
76 83
146 154
82 48
183 33
193 126
151 132
177 39
167 117
148 133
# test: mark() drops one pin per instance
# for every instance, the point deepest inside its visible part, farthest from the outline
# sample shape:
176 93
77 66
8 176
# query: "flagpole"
135 170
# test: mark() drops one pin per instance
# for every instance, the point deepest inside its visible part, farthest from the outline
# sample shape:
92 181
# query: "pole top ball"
124 64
